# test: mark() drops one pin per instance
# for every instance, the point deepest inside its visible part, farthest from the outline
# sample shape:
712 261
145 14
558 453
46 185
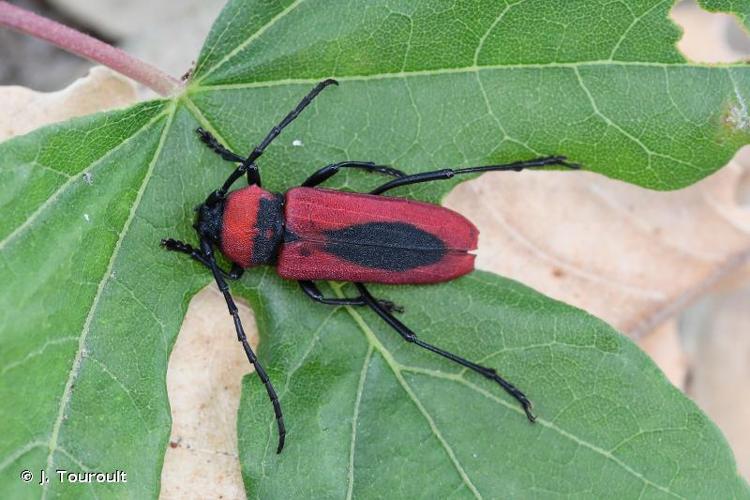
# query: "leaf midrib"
355 419
575 67
395 368
477 50
75 367
196 87
71 179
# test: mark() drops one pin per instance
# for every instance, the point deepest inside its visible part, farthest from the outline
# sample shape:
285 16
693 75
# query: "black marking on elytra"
392 246
270 225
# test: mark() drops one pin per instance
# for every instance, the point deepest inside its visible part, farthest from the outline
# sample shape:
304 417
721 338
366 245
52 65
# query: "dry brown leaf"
203 381
665 348
24 110
718 346
630 256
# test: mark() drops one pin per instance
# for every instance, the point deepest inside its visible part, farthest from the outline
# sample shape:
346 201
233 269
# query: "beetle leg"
448 173
329 171
312 291
224 288
213 143
234 273
179 246
409 336
390 306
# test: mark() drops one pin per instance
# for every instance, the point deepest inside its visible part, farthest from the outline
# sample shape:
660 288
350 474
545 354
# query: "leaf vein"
636 20
486 34
76 366
239 48
395 368
37 352
19 452
545 423
122 386
196 88
49 202
355 417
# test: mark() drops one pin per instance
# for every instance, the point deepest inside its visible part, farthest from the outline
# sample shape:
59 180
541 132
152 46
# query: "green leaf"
600 82
375 417
91 306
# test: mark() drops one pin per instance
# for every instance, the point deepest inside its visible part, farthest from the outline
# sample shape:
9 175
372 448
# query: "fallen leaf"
631 256
203 382
718 347
25 110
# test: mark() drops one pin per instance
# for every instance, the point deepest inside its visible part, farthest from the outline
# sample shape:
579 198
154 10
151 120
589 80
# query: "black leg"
410 336
312 291
217 147
447 173
207 251
179 246
329 171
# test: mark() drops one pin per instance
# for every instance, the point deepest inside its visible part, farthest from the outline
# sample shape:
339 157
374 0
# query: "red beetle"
312 233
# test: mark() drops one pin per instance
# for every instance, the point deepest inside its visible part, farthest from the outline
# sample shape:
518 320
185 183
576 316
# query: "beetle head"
208 220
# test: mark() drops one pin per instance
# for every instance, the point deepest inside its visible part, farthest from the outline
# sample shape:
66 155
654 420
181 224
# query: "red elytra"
322 234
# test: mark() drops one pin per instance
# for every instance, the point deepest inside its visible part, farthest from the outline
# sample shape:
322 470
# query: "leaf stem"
88 47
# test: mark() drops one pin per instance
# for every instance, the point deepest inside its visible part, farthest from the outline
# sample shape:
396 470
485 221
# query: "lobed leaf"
90 304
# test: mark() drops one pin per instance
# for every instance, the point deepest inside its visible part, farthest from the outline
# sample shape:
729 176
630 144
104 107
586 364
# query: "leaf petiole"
88 47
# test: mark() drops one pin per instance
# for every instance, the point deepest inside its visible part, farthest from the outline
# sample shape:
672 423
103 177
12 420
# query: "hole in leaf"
710 37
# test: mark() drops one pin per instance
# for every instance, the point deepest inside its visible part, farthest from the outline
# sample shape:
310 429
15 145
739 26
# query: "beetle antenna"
224 288
247 165
293 114
449 173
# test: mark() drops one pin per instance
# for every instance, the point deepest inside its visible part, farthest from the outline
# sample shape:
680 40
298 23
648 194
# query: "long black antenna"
224 288
447 173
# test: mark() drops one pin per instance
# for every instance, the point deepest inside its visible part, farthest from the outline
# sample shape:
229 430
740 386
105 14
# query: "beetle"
311 233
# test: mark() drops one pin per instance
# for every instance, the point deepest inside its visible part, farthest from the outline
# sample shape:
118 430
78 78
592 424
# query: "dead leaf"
627 255
203 382
718 349
633 257
24 109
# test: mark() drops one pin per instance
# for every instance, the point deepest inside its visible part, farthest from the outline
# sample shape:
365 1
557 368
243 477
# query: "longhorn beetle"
311 233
